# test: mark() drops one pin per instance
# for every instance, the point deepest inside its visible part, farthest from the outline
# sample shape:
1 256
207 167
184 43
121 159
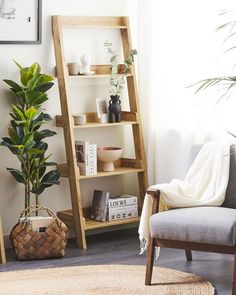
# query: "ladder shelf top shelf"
109 22
92 76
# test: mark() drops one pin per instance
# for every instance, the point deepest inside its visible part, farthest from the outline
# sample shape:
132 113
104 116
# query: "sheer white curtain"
178 46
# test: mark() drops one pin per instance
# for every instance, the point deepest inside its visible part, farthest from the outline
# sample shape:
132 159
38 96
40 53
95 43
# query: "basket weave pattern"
29 244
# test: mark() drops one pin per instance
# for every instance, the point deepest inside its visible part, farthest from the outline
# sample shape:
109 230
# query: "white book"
82 155
123 200
122 215
122 212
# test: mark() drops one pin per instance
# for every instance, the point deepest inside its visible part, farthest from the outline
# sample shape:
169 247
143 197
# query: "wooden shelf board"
127 118
97 125
92 27
118 171
73 77
93 21
67 217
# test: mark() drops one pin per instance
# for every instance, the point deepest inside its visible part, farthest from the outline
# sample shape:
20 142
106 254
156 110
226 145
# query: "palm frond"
230 35
231 48
229 24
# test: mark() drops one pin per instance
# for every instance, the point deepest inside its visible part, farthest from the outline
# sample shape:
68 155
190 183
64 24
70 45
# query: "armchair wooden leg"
2 247
149 264
188 254
234 276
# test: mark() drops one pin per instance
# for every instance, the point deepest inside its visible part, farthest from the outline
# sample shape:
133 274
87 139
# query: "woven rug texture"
102 280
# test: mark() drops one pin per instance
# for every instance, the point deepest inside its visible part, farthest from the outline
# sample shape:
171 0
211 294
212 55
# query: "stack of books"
121 207
108 207
86 155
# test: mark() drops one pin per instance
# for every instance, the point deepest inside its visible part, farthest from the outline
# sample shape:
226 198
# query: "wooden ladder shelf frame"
70 169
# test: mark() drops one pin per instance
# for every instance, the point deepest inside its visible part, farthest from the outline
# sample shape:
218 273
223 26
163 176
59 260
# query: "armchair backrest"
230 196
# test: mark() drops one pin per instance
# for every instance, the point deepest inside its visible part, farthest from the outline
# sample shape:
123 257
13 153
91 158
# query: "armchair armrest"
155 194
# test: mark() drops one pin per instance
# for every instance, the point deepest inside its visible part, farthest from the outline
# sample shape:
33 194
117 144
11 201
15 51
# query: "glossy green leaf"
18 112
18 175
28 138
44 87
13 136
51 176
39 135
35 151
13 85
31 113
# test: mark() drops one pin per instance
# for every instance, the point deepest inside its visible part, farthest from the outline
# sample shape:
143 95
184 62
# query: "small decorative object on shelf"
108 155
79 119
73 68
117 81
114 109
102 111
85 60
100 205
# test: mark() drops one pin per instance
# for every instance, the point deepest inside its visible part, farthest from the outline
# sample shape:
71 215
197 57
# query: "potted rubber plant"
117 81
25 135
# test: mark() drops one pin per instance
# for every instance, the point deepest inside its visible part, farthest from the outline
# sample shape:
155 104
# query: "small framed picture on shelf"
102 111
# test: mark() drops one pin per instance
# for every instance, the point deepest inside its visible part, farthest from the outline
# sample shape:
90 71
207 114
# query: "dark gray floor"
122 247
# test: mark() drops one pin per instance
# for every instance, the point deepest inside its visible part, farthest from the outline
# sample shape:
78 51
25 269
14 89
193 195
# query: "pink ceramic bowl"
108 155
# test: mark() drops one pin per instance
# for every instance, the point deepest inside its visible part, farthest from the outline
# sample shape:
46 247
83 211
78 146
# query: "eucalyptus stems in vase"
117 81
25 136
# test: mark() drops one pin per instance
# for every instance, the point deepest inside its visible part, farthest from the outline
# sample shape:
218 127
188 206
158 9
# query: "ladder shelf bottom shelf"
67 217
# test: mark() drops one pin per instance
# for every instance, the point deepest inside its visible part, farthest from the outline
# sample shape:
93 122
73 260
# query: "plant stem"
36 203
26 200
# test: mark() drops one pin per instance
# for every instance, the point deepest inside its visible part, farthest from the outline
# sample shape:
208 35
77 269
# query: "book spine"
122 215
86 157
119 202
95 158
123 208
122 212
92 159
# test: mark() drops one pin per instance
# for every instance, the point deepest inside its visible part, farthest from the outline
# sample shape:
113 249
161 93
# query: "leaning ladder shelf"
79 216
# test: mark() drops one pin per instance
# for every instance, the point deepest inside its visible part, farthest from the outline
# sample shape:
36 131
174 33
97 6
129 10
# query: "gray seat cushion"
211 225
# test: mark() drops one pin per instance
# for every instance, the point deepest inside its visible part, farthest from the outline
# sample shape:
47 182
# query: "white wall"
58 197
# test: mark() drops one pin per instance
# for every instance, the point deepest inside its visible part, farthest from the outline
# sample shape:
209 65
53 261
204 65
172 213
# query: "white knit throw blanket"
204 185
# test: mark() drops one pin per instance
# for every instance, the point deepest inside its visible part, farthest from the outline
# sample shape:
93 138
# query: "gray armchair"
209 229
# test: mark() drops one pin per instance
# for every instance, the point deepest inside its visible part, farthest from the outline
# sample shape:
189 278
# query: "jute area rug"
102 280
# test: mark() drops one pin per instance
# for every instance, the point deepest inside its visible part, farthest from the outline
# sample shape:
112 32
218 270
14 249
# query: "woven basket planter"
30 244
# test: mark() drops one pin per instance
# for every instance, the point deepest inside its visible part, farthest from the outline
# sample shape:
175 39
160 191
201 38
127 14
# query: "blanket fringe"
144 247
